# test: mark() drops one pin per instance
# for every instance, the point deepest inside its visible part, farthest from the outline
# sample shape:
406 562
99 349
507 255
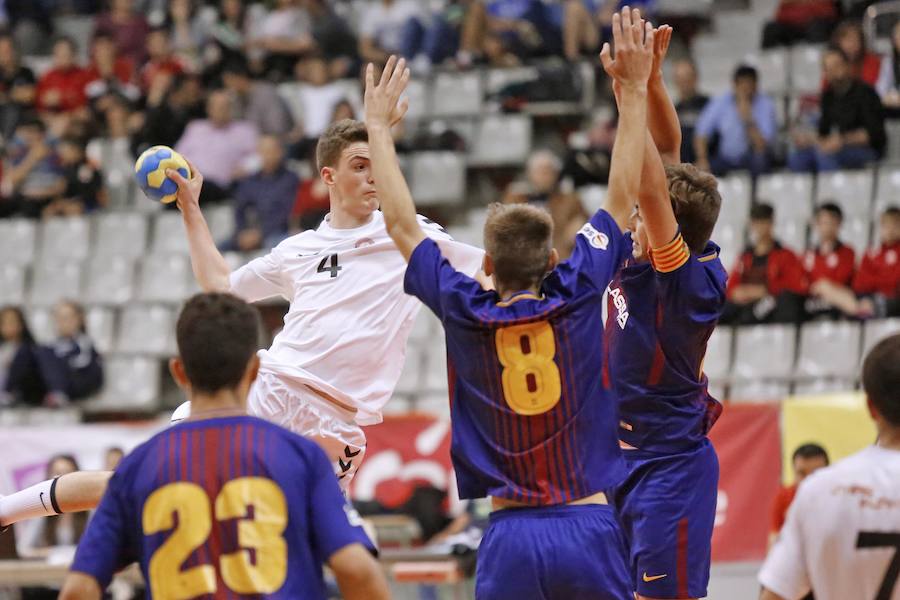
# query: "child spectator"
127 27
84 183
109 73
767 283
829 265
77 369
690 104
22 362
33 176
877 281
864 65
800 21
161 60
61 89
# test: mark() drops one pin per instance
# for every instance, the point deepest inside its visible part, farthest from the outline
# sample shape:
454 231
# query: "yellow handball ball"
150 172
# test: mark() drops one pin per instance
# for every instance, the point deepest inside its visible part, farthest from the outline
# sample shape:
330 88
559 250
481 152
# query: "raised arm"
384 109
662 119
653 199
210 268
633 40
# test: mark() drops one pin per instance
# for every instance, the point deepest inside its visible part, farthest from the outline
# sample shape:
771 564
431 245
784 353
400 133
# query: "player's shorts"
298 408
667 508
553 553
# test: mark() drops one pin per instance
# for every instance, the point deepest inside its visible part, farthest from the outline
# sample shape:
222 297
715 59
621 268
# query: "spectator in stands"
744 123
264 200
542 188
17 87
587 161
61 89
171 104
851 127
160 58
109 73
228 36
187 33
800 21
506 32
127 27
283 36
767 284
22 362
829 265
434 38
257 101
33 176
65 529
334 37
112 458
850 39
389 27
114 149
76 369
690 104
317 102
888 84
877 282
311 204
84 182
806 460
218 145
31 25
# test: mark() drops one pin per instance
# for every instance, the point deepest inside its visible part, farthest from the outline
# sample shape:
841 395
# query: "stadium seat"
791 233
887 191
764 351
592 197
168 234
456 94
438 177
65 238
164 278
828 349
12 284
43 417
856 233
876 330
131 383
100 323
417 93
824 386
498 79
717 363
76 27
121 234
221 221
759 391
735 191
52 281
41 324
773 69
731 242
790 194
502 140
851 190
146 329
17 237
806 69
109 280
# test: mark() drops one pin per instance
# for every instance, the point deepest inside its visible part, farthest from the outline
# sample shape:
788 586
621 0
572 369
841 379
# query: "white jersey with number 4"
841 539
345 332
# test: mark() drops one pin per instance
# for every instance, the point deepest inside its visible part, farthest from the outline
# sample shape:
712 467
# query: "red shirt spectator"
879 272
835 264
106 64
62 87
311 204
162 60
127 27
779 270
849 37
800 13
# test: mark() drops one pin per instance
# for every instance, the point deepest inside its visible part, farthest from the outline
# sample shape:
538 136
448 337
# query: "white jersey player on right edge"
841 539
337 360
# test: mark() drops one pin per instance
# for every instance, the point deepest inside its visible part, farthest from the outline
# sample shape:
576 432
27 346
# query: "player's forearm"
628 153
653 199
208 264
79 586
662 120
393 191
81 490
365 583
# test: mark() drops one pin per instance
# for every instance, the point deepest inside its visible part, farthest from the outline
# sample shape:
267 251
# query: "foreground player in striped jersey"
661 308
337 360
841 539
532 426
224 504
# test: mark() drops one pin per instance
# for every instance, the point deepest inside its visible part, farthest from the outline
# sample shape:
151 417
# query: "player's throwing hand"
633 41
382 101
188 195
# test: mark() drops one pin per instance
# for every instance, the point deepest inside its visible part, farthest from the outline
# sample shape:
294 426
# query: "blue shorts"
667 508
553 553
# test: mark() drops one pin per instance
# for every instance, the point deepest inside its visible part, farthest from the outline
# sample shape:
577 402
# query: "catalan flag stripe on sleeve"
671 256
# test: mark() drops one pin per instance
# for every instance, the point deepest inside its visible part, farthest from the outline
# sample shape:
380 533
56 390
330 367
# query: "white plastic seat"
876 330
851 190
53 281
220 220
146 330
806 69
759 391
887 191
169 236
417 93
17 241
164 278
731 243
438 177
41 324
790 194
121 234
828 349
717 364
764 351
130 383
12 284
109 280
502 140
735 191
456 94
773 71
791 234
65 238
824 386
856 232
100 323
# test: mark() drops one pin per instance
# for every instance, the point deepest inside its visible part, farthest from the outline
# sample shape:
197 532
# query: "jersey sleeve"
463 257
600 249
335 523
784 571
691 288
430 278
261 278
103 549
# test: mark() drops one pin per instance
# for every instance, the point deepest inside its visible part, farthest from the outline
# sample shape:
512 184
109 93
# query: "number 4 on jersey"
333 268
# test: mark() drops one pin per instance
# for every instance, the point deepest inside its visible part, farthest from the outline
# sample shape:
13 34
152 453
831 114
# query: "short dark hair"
217 336
518 238
838 51
745 71
881 378
337 137
762 212
831 208
695 202
810 451
65 39
891 211
236 66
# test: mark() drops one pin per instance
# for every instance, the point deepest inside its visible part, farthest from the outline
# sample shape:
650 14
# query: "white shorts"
296 407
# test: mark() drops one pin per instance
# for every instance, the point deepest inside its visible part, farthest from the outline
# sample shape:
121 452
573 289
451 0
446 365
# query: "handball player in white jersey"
337 360
841 539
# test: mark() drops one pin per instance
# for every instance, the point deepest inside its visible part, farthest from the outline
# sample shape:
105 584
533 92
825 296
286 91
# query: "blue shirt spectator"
743 123
264 200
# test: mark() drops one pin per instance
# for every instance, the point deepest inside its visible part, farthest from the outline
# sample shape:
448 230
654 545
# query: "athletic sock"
37 501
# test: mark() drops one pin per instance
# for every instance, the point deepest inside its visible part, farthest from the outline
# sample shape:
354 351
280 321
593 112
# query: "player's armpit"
79 586
769 595
358 575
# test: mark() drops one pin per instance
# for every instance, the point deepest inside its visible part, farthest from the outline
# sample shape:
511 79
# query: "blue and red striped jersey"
230 507
659 316
530 419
